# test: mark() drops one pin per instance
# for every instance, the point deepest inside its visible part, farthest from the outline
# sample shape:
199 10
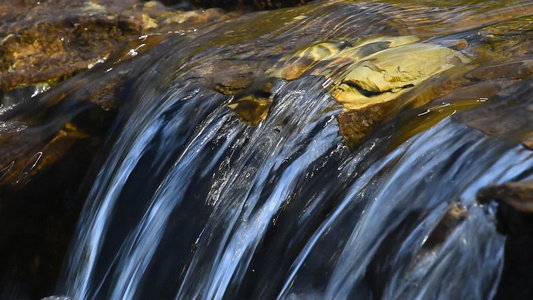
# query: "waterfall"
192 203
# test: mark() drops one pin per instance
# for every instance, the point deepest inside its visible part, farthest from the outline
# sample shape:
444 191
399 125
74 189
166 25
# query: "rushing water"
192 203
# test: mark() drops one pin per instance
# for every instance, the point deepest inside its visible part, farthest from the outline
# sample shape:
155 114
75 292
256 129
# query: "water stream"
191 203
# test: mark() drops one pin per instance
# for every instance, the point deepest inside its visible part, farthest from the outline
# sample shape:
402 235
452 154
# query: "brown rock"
38 44
514 218
454 216
355 125
518 195
515 209
508 115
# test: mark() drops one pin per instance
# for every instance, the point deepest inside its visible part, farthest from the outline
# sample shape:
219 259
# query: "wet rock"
516 195
365 76
507 40
355 125
48 145
38 45
515 219
387 74
45 45
508 115
453 217
37 130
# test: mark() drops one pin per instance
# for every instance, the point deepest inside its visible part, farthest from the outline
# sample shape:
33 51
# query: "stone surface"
385 75
514 218
508 115
364 75
518 195
40 45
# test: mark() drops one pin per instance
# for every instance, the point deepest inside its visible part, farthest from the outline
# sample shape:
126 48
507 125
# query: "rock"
355 125
514 218
387 74
41 46
374 73
453 217
508 115
518 195
105 30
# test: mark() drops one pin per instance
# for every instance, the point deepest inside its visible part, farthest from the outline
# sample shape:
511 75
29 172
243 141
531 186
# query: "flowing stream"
191 203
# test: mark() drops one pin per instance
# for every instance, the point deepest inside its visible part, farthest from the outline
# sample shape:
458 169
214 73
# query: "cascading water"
192 203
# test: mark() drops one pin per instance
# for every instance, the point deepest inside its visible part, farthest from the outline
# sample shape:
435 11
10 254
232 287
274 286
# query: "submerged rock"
364 76
387 74
370 88
366 73
509 114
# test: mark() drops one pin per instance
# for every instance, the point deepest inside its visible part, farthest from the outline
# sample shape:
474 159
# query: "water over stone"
181 199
